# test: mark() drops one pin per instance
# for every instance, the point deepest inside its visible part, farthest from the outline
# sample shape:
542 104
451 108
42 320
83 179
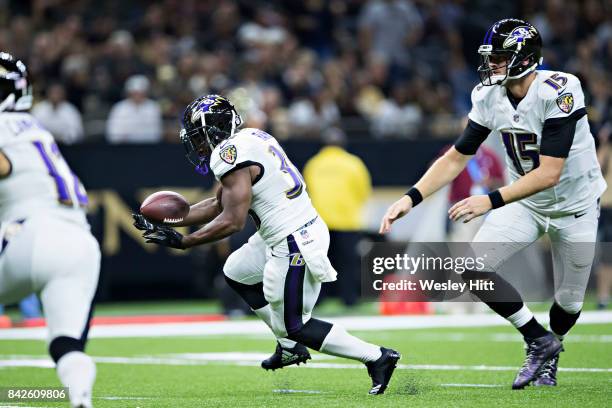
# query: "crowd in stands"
124 70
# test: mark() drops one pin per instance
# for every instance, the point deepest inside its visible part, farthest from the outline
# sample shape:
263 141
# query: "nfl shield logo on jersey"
228 154
565 102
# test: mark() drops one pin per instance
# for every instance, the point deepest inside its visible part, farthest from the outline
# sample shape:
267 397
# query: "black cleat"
547 377
539 351
381 370
284 357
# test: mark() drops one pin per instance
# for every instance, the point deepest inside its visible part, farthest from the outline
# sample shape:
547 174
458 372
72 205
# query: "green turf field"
454 368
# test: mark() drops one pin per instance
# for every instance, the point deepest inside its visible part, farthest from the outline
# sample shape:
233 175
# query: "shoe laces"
548 370
531 351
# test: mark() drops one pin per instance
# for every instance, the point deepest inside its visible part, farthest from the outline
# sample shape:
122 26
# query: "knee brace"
572 308
569 300
311 334
253 295
62 345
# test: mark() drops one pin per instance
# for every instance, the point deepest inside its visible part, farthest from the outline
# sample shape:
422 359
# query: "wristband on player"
416 196
496 199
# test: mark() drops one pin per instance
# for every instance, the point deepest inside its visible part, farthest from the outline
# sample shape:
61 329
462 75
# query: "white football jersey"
280 203
40 180
551 95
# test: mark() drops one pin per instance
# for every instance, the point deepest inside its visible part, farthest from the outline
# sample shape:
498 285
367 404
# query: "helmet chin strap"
525 72
503 79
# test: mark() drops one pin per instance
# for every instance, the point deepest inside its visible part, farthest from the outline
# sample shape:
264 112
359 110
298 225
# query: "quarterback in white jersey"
540 117
279 271
553 98
47 247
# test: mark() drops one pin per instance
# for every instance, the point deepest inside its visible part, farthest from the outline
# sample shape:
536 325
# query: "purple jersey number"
287 167
67 190
519 150
261 134
556 81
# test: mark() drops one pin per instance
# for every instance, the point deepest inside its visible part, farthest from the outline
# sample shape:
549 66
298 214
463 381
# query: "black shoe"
381 370
547 377
539 351
284 357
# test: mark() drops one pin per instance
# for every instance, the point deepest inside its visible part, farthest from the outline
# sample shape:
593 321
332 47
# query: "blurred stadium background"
387 81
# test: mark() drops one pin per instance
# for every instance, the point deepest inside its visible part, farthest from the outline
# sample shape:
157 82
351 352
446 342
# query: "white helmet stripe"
233 123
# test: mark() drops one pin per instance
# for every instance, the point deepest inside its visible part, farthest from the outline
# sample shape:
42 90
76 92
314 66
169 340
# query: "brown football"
165 207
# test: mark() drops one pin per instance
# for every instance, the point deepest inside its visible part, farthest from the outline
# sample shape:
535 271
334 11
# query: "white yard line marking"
504 337
236 356
251 327
253 359
20 406
40 363
123 398
472 385
298 392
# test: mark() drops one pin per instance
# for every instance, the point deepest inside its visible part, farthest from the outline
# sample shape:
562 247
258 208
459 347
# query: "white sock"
520 318
340 343
265 314
77 371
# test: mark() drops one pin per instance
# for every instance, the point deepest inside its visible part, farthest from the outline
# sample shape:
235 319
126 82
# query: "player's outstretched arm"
444 170
203 212
235 201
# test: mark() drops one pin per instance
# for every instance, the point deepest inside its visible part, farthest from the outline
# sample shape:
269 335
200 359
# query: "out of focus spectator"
59 116
390 28
483 174
399 115
339 185
135 119
310 116
357 51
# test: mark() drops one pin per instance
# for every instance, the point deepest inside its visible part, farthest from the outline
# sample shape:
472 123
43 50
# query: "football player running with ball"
279 271
46 244
541 119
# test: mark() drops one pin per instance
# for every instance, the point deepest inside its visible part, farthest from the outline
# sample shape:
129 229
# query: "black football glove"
158 234
165 236
141 223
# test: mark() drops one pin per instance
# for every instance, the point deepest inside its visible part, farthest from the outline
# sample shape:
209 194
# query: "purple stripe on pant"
294 289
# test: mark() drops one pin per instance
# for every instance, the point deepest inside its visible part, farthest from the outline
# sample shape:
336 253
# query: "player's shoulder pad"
233 151
481 93
254 135
21 128
224 157
554 83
